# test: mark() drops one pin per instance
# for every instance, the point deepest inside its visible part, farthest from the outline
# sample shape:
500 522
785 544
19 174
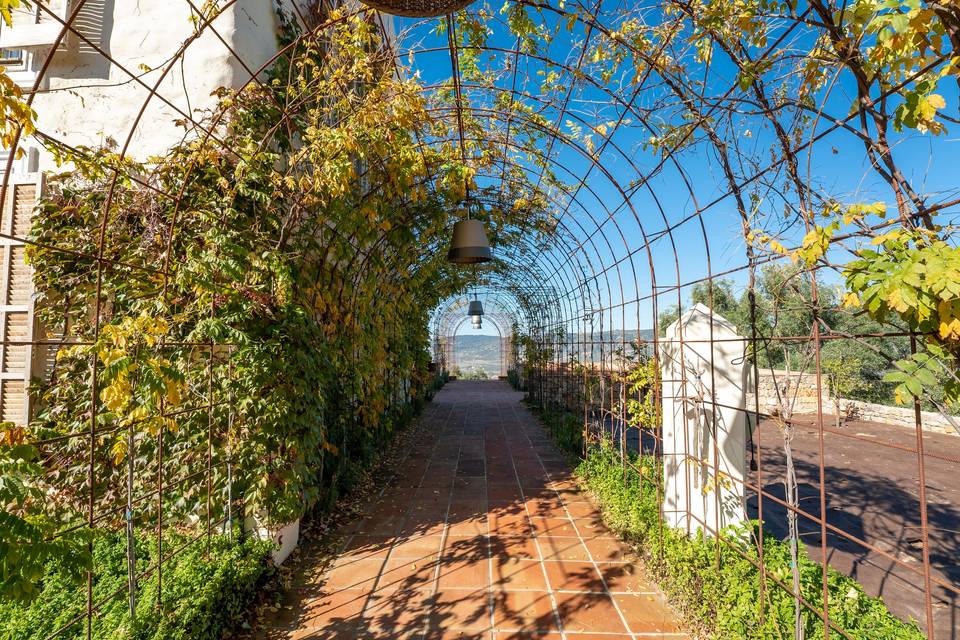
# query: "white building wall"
86 100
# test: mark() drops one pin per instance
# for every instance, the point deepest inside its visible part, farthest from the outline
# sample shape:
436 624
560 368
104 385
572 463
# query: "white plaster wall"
88 101
691 458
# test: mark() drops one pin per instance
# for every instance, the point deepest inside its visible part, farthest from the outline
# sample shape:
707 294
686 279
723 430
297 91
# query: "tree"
724 302
843 379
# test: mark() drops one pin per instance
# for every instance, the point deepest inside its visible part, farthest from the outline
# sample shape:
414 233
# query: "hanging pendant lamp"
418 8
475 309
476 321
469 244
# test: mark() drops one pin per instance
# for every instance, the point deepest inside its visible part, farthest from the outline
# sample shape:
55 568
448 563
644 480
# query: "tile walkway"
483 534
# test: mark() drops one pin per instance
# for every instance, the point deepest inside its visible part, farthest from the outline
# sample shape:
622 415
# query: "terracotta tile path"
483 534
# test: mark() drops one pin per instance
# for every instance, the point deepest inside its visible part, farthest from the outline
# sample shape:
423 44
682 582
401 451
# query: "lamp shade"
469 244
475 309
418 8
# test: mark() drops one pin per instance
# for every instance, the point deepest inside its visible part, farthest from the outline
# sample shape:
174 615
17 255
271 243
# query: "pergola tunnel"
417 318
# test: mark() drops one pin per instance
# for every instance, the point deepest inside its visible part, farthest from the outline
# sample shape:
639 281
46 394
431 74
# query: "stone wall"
799 391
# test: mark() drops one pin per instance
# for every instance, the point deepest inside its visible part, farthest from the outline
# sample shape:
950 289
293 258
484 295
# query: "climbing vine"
268 323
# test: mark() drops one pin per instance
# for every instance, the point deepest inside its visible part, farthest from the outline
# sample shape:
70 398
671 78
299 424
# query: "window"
10 57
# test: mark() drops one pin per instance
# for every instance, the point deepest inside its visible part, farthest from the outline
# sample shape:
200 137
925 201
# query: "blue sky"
836 164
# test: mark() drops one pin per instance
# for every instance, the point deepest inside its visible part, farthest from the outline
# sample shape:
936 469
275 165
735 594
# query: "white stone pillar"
704 444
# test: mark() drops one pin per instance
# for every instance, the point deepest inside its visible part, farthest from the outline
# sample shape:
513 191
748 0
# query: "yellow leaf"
173 392
139 413
897 396
116 395
895 300
779 248
890 235
949 311
329 446
119 450
936 101
851 301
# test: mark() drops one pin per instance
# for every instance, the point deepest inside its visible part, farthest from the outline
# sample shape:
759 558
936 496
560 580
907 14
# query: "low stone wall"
799 390
931 420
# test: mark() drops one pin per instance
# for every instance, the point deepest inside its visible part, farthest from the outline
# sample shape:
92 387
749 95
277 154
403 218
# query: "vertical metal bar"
230 436
815 331
924 525
160 512
90 478
752 299
131 541
714 432
209 445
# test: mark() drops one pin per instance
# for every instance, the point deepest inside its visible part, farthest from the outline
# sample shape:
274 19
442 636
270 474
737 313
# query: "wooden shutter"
16 300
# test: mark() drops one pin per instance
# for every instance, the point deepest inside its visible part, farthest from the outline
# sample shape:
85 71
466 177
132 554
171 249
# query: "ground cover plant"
208 590
717 585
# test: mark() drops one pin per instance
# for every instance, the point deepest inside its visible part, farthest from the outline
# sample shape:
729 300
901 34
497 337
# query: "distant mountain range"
479 354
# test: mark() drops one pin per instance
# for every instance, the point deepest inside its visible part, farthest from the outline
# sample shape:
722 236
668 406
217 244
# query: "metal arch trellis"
501 310
586 270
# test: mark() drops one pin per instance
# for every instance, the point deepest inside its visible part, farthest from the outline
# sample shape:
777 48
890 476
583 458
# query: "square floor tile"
424 524
474 574
506 507
378 524
428 509
647 614
546 507
573 575
607 549
514 546
581 509
562 548
407 574
461 609
512 524
457 634
433 500
511 574
334 609
403 610
523 610
590 528
625 577
389 634
472 526
417 546
361 546
466 547
588 613
355 574
390 507
557 527
461 509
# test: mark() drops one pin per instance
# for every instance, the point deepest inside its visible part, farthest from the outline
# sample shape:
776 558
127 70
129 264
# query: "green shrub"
715 584
204 595
565 428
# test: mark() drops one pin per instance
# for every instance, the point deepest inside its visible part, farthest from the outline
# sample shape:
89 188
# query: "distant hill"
478 354
481 354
